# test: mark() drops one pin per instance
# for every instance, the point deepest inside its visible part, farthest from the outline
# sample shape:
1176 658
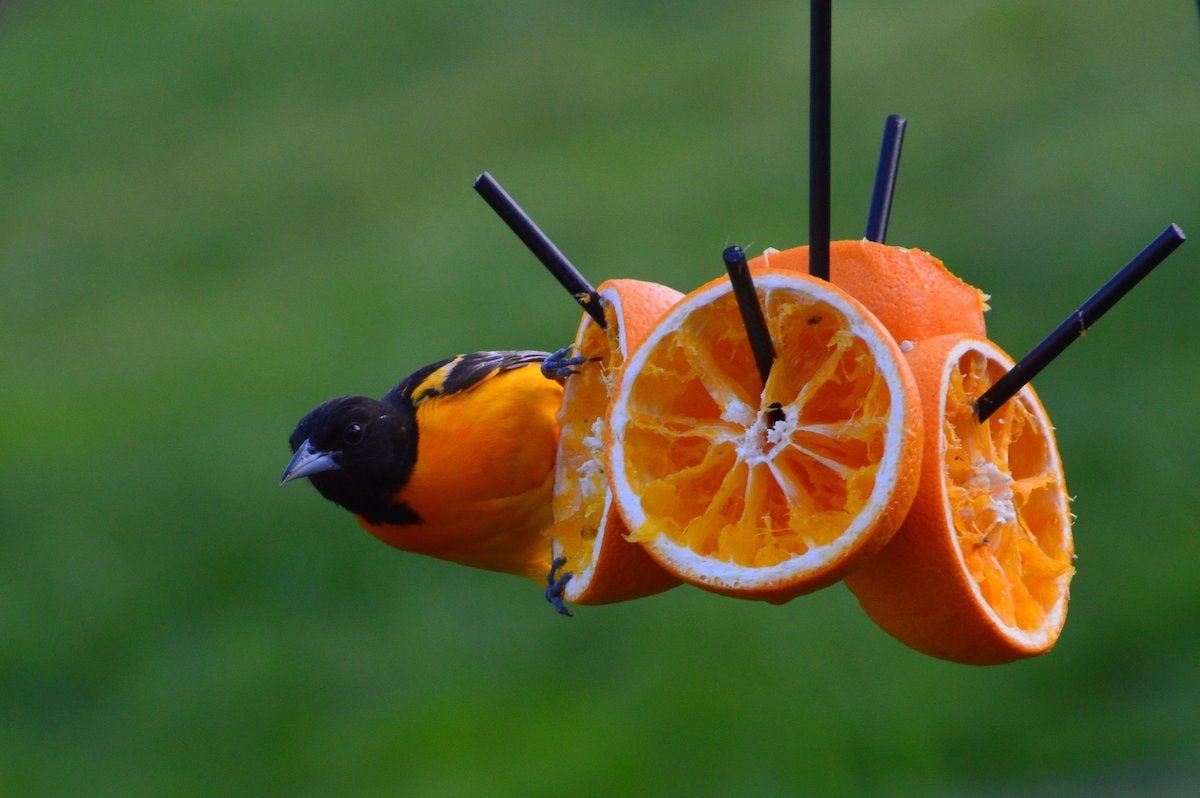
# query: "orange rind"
910 291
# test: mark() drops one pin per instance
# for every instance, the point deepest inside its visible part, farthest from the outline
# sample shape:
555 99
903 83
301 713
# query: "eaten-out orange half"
980 571
588 531
768 491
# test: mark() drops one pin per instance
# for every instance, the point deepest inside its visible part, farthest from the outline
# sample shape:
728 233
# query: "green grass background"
214 215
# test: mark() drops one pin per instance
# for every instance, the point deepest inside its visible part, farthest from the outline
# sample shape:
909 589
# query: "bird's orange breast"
484 475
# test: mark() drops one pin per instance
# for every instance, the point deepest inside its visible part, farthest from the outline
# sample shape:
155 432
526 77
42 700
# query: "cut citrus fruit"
588 530
980 570
768 492
910 291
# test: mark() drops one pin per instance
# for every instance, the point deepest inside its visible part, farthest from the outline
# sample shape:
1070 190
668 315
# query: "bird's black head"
357 452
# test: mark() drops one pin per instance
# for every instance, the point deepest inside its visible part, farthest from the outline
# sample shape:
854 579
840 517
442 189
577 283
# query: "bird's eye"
353 434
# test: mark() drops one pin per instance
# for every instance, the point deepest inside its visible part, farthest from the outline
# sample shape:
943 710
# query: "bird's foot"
556 584
561 365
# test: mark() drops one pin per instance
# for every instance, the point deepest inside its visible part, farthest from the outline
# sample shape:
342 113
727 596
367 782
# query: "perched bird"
457 461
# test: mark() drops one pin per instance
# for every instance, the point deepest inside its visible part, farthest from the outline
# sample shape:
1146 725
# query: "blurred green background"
214 215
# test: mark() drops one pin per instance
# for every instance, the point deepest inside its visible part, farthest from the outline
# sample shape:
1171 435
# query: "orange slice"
980 571
732 500
910 291
588 531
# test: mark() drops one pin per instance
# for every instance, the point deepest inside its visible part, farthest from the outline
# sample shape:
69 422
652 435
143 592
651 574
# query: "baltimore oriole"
457 461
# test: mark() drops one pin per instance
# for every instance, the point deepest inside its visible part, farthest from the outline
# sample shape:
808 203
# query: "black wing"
458 374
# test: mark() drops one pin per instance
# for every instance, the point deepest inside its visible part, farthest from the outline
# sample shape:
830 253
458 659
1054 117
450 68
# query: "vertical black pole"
821 35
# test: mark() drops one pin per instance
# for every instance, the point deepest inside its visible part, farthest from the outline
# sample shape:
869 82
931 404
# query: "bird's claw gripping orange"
556 584
561 365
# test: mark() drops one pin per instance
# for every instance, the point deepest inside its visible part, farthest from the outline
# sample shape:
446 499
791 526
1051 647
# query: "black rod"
885 178
1079 321
821 38
541 246
751 310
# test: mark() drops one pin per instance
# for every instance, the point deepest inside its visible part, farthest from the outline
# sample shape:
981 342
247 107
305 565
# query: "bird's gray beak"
308 461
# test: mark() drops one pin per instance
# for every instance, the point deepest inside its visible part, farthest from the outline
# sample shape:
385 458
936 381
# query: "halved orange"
981 568
588 531
727 495
910 291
